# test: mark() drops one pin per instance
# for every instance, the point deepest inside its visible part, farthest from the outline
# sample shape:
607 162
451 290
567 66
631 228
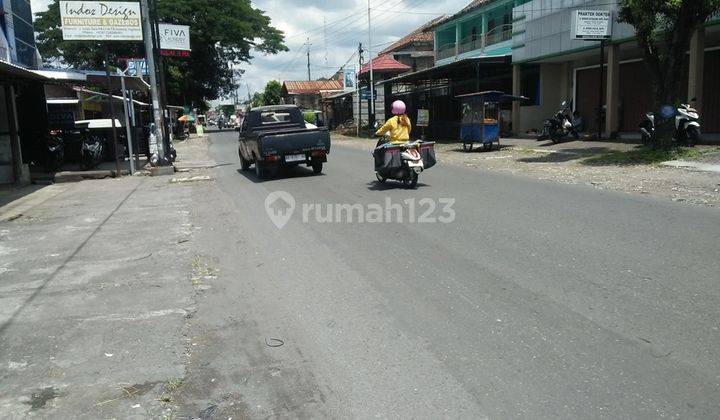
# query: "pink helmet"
398 108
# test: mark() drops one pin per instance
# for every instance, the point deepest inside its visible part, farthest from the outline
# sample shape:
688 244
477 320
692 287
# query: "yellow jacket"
399 127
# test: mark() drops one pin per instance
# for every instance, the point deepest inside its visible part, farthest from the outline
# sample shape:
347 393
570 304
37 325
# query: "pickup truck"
277 136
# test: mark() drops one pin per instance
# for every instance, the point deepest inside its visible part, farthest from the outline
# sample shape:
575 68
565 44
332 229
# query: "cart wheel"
467 147
488 146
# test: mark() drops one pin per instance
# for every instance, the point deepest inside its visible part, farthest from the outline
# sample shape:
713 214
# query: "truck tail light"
272 158
319 153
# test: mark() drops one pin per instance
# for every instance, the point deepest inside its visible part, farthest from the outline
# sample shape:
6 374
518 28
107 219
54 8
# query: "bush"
309 117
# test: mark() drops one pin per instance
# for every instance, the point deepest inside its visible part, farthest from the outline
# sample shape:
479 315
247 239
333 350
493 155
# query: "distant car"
276 136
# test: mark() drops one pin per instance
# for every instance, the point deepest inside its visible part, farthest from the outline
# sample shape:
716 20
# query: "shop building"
550 67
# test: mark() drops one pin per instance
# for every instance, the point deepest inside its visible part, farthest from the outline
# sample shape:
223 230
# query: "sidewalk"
95 297
603 165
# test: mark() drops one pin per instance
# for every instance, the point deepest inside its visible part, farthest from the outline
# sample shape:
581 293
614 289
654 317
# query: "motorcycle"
560 126
55 149
403 162
92 151
647 129
687 126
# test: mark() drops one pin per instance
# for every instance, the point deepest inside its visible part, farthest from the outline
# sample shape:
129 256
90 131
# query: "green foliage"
309 117
273 93
258 99
647 156
227 110
223 35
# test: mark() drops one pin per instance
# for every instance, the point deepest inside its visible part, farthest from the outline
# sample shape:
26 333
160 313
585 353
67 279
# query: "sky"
345 23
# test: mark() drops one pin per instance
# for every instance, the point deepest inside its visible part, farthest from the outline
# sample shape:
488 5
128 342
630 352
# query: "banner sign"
349 80
365 93
175 53
592 25
61 120
174 37
423 118
101 21
137 68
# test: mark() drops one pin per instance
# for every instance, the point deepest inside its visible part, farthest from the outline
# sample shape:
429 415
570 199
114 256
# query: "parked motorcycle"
404 162
92 151
687 126
55 149
560 126
647 129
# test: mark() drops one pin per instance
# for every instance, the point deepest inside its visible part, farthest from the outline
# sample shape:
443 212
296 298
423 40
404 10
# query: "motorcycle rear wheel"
692 136
411 181
381 179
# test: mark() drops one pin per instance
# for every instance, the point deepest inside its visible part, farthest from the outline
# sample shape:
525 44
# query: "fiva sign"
174 37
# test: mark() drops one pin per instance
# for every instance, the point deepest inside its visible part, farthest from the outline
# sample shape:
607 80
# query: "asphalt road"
538 301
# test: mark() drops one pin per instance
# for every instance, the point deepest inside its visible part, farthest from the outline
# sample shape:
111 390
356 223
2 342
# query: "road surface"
538 300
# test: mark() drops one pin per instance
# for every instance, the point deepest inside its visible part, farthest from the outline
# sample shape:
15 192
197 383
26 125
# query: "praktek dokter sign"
101 21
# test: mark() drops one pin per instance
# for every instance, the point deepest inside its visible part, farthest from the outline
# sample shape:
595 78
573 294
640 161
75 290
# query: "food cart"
480 118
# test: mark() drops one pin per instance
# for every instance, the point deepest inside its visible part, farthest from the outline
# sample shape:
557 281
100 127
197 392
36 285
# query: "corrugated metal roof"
386 64
299 87
421 34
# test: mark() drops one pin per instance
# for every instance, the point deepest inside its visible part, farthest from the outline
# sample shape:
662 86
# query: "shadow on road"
565 155
482 149
389 185
279 174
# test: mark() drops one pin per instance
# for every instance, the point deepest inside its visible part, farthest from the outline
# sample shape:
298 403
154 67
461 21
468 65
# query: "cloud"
346 26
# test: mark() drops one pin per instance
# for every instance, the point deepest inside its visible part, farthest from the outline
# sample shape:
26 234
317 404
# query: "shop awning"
63 101
93 78
12 72
448 71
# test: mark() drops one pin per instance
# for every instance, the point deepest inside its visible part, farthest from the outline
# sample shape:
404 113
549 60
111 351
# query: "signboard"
349 80
174 37
137 68
101 21
423 118
61 120
365 93
593 25
175 53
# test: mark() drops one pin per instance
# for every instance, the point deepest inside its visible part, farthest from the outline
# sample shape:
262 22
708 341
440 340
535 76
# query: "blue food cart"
480 118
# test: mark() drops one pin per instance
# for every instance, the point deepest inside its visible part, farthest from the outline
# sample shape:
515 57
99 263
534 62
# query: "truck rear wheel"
244 164
260 172
317 167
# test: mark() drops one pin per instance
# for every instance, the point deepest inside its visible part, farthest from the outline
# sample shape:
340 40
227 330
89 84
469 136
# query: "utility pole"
371 109
325 41
308 58
357 88
150 57
163 89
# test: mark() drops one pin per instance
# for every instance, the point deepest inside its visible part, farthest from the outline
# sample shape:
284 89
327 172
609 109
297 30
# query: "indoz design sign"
101 21
591 25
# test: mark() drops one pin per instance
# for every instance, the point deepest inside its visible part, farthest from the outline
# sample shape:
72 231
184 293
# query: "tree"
664 29
273 93
227 110
223 35
258 99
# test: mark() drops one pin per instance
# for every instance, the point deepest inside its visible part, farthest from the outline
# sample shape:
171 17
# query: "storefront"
550 67
17 88
436 90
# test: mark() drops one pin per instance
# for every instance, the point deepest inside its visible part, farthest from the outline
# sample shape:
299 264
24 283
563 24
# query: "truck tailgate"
295 141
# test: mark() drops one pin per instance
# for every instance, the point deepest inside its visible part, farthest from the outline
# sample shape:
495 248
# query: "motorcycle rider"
398 127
